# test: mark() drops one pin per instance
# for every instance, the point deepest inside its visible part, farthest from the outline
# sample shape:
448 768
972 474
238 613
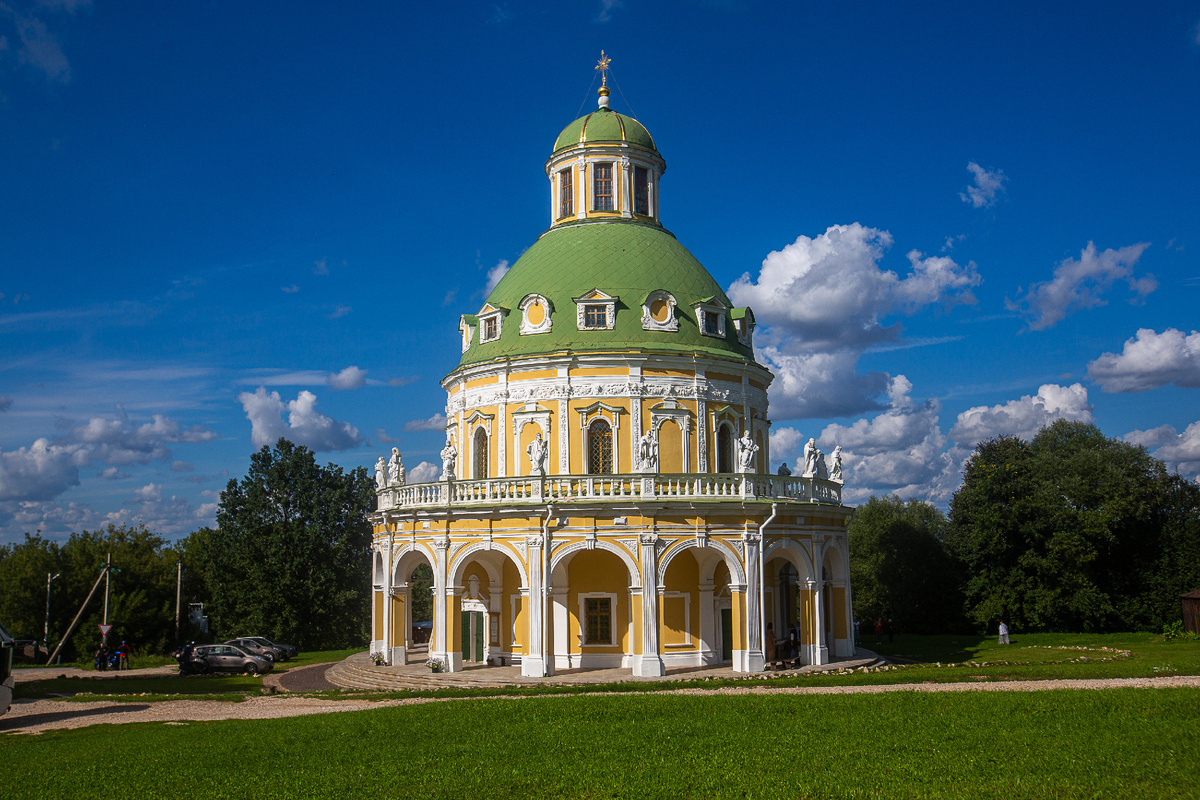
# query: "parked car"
223 658
258 649
287 650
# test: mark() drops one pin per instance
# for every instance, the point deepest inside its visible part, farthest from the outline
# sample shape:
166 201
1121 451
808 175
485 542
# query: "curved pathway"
35 716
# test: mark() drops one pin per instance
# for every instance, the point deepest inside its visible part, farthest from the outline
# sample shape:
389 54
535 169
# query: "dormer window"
602 187
535 314
466 326
596 311
658 312
491 322
743 323
566 194
641 191
710 316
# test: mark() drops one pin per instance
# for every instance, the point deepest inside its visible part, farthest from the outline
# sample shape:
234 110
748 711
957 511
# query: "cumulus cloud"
181 466
786 443
1150 360
424 473
305 425
495 274
349 378
39 472
122 441
1180 451
382 435
1081 283
1023 417
435 423
987 185
820 303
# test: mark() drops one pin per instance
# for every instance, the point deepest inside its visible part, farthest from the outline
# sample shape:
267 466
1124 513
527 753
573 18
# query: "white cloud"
39 48
122 442
40 472
305 426
382 435
349 378
494 275
988 184
1079 284
1024 417
786 444
820 303
339 312
321 267
424 473
181 466
290 289
112 474
1153 437
435 423
1180 451
1149 361
606 10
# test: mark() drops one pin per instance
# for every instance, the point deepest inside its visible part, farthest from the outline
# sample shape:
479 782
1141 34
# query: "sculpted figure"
810 458
783 469
395 469
380 474
835 472
746 450
449 458
537 456
648 452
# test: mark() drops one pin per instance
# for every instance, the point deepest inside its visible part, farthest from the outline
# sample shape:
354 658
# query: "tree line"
1071 531
288 559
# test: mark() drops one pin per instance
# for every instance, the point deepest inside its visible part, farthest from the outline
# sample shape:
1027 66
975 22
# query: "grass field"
1105 743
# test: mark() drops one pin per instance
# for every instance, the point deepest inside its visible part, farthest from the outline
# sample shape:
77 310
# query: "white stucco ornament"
647 453
746 450
537 456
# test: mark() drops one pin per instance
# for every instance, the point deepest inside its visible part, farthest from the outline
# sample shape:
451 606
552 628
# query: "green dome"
628 260
604 125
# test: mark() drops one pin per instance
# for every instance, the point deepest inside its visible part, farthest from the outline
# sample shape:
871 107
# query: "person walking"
1003 632
879 631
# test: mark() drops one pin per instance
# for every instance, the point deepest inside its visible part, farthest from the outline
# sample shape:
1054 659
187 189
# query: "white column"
820 654
755 660
709 647
387 602
626 188
651 663
439 649
535 664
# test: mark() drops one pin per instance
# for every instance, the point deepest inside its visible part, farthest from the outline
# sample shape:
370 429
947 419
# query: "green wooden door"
480 621
466 635
727 634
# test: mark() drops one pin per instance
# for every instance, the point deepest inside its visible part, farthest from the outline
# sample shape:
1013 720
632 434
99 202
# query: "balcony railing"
569 488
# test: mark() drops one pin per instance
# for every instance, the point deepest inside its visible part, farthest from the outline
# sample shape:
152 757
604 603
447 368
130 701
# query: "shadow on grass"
15 720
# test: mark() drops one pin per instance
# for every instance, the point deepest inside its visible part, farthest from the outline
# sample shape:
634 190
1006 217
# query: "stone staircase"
359 672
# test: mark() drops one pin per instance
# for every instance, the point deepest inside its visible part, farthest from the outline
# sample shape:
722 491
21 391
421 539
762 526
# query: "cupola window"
566 194
594 316
535 314
658 312
491 329
710 317
596 311
602 187
641 191
491 322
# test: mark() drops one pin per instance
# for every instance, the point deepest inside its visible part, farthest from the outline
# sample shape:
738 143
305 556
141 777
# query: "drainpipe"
546 590
762 589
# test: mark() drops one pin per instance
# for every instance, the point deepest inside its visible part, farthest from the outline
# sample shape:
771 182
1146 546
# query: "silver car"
230 658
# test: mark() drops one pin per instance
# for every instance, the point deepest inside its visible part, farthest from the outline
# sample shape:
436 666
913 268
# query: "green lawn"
1109 743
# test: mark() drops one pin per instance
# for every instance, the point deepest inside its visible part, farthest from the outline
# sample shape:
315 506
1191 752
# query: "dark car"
251 646
285 651
225 658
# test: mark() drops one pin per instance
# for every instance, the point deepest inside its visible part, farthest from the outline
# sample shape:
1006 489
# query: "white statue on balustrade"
449 458
380 474
396 475
746 450
647 453
814 461
835 472
537 455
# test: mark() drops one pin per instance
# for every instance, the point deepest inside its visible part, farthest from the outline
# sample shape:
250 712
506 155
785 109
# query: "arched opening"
670 447
410 609
479 452
486 613
725 454
600 448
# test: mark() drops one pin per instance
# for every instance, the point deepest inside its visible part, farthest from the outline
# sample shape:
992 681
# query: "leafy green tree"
23 571
290 556
1072 532
900 568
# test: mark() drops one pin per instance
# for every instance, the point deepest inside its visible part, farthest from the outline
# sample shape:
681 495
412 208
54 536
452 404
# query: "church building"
606 497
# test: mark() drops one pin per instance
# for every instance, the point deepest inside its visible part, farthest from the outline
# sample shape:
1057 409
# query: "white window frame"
596 297
649 323
612 618
717 309
546 325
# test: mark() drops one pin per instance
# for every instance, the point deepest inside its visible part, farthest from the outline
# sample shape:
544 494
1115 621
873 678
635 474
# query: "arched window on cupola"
600 448
479 453
725 452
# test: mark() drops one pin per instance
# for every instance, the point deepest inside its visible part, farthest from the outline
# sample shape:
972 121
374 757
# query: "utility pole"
107 569
178 590
46 631
74 622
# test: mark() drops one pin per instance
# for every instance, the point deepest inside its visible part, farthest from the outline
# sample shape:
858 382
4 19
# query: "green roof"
604 125
625 259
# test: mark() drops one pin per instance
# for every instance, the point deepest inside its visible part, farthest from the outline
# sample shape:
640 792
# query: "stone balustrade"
573 488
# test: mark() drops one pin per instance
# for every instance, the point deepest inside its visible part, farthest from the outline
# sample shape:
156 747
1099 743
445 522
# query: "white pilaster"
755 660
535 663
651 663
441 565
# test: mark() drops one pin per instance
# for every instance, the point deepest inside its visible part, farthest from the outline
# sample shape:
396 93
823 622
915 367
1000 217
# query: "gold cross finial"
602 66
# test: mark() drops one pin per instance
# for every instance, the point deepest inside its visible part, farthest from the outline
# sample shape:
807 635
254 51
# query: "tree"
290 556
900 568
1073 532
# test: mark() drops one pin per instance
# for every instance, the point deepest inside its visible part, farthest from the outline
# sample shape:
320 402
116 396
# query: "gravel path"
35 716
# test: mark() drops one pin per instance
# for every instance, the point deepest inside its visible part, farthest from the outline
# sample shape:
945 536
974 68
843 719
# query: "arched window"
600 449
725 454
480 453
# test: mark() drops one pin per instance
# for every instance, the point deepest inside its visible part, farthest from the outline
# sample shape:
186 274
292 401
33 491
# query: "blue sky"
222 222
